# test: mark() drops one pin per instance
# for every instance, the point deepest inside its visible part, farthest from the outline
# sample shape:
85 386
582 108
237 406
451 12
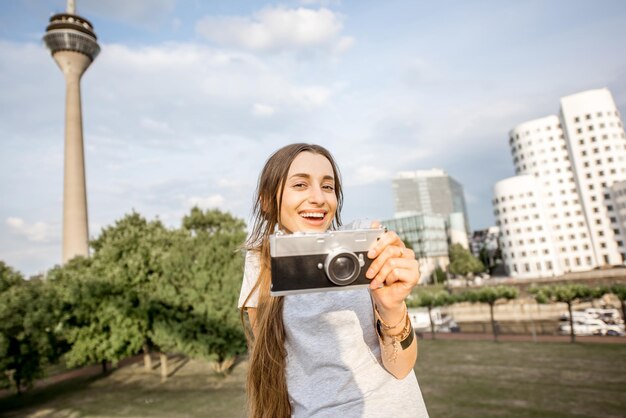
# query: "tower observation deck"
74 46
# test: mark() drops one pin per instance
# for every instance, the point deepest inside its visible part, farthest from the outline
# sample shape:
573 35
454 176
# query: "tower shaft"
75 219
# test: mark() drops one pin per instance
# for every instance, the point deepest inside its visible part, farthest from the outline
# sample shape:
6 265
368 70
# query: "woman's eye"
329 187
299 185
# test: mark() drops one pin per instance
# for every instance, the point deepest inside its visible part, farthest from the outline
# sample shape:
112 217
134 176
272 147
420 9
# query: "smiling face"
309 201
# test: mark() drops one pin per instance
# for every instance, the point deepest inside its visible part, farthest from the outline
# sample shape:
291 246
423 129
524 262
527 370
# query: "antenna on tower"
71 7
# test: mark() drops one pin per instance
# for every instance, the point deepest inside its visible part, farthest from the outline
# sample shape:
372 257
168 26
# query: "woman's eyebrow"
308 176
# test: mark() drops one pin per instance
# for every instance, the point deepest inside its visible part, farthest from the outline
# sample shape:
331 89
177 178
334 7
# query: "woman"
347 353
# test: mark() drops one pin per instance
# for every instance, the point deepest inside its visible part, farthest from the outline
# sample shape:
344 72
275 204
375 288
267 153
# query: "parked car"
584 324
609 316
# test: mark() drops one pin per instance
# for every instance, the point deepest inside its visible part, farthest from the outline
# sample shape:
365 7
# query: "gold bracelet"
401 340
387 326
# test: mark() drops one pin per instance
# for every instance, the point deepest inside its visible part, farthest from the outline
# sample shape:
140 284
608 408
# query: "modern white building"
618 197
557 214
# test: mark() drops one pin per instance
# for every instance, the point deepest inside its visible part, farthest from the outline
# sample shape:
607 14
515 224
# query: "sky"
188 98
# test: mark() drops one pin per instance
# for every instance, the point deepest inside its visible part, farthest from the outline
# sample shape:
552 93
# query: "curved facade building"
528 248
598 149
569 163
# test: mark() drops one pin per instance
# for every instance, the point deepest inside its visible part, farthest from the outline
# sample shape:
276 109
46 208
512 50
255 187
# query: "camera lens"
342 267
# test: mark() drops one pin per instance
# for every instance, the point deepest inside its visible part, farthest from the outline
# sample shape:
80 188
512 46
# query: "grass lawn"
458 379
522 379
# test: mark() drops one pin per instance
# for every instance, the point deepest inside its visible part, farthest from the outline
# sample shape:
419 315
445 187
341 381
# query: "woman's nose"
316 195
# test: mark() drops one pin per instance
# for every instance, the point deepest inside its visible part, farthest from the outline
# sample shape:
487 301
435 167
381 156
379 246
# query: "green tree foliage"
212 221
151 287
439 276
490 295
8 277
97 315
28 335
462 262
431 300
566 293
210 262
129 256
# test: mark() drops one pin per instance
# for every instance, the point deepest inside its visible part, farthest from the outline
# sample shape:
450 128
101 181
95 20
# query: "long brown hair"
267 385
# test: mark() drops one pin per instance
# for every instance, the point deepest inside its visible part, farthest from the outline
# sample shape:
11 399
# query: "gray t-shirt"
334 366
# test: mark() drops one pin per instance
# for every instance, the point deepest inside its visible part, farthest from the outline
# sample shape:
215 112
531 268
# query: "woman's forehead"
311 164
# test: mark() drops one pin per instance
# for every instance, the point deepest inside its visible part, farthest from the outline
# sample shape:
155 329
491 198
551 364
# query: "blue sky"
188 98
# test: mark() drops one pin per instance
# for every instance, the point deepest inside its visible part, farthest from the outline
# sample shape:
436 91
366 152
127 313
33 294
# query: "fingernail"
371 253
369 274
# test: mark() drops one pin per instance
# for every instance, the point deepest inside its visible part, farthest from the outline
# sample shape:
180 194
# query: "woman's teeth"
312 215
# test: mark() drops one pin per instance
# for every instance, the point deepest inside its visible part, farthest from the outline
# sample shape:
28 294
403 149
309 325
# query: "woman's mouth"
313 218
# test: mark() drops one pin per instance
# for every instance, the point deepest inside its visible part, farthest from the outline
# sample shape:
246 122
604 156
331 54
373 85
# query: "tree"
96 315
462 262
431 300
439 276
490 295
213 259
566 293
126 273
28 336
8 277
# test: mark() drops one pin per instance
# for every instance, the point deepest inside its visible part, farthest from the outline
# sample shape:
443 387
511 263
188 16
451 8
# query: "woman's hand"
394 272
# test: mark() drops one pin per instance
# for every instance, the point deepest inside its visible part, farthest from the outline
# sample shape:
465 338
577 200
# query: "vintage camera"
313 262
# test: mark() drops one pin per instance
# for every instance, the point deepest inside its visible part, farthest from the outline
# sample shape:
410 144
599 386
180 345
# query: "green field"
458 379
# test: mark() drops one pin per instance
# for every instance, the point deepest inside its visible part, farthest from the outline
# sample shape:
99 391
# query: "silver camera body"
313 262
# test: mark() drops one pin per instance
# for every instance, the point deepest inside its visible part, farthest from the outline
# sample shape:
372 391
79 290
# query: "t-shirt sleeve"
251 271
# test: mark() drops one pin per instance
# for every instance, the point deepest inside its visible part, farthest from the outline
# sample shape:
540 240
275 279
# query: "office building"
427 235
429 192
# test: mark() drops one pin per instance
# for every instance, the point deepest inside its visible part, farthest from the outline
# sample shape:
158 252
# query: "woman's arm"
394 272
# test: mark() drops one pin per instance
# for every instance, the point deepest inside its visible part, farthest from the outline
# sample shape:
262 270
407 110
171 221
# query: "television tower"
74 46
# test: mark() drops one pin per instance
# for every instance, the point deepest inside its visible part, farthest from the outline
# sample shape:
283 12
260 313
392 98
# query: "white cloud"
37 232
209 202
263 111
277 29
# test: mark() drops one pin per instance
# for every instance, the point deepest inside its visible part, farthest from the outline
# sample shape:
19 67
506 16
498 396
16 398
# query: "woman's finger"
397 269
389 252
386 239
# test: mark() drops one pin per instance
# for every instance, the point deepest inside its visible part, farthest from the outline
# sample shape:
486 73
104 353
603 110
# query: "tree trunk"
18 385
104 366
432 324
163 357
147 360
493 324
572 334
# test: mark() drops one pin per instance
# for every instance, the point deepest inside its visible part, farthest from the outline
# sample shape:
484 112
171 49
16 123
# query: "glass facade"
425 233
